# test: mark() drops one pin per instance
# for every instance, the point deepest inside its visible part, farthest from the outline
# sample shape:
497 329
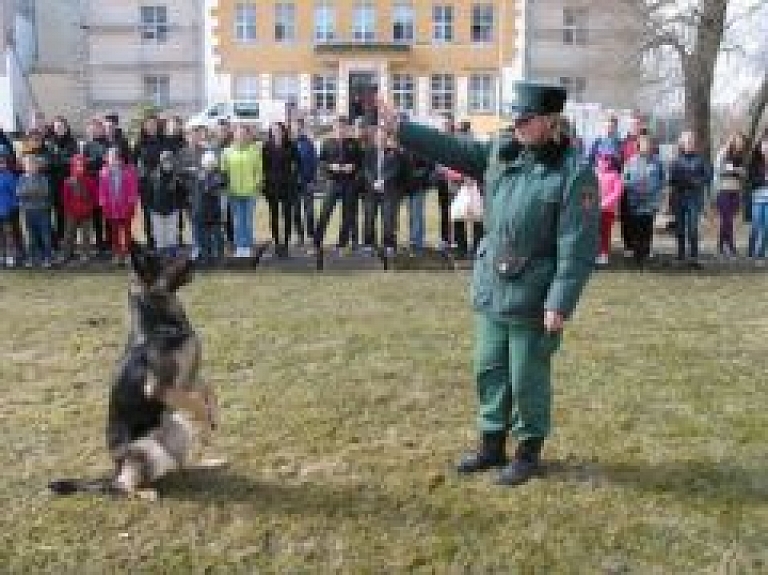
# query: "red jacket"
119 206
79 197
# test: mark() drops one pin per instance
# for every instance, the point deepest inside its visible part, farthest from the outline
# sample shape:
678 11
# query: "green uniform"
541 221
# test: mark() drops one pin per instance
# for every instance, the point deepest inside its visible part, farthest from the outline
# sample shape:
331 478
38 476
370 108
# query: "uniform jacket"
165 194
307 159
209 187
34 192
541 216
389 168
119 206
345 151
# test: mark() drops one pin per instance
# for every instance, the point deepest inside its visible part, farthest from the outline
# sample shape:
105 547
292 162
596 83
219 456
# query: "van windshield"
217 110
247 110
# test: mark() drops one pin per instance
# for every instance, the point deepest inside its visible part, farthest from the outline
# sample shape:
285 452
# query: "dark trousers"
340 191
461 239
59 222
444 199
625 224
688 209
358 202
17 233
278 204
39 232
144 191
384 207
640 227
304 208
229 226
727 206
100 232
211 241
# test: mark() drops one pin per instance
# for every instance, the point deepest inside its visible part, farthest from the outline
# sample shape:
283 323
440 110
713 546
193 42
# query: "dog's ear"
142 263
177 273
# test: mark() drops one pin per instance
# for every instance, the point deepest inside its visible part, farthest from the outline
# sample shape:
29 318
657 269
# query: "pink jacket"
611 187
119 206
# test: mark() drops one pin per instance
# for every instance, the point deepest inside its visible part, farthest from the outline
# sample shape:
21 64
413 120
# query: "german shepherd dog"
157 394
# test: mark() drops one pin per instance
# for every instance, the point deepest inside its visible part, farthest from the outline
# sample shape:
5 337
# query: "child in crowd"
79 196
164 201
609 183
643 186
9 203
118 196
34 192
210 187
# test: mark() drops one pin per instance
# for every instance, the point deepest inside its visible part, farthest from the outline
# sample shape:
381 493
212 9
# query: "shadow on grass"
227 487
727 481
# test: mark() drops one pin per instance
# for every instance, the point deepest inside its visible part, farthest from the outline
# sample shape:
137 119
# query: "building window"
403 91
364 21
482 23
285 22
442 93
482 93
245 22
442 21
324 93
402 22
575 25
154 24
157 90
325 22
285 87
247 88
575 86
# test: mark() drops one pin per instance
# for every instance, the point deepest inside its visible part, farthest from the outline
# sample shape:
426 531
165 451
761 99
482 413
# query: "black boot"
489 454
526 464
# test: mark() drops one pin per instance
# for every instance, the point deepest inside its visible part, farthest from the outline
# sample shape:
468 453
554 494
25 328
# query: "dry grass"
345 399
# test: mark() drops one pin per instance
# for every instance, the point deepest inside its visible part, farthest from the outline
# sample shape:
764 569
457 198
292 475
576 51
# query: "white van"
257 113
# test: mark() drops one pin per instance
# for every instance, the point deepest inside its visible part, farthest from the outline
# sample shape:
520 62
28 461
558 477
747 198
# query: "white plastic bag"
467 205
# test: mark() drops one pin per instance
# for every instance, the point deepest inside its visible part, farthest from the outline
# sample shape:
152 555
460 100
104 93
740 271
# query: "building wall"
607 61
265 59
120 59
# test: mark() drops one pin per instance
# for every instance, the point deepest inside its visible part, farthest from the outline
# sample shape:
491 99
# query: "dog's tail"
102 486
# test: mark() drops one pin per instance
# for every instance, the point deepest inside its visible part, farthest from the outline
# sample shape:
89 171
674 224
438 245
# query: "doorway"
363 95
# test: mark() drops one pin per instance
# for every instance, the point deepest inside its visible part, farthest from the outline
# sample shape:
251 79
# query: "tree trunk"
757 109
698 105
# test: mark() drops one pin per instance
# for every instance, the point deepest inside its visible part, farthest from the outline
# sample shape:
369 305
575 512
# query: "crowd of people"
633 178
65 200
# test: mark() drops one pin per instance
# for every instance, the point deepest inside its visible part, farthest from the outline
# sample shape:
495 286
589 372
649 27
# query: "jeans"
345 192
416 219
242 220
305 209
211 242
758 237
39 233
688 208
383 205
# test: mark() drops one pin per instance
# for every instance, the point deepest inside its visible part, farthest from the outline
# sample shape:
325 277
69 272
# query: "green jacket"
244 167
541 221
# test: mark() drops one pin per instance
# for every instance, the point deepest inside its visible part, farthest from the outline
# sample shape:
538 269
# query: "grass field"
345 400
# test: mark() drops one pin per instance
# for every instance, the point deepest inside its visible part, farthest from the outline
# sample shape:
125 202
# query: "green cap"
530 98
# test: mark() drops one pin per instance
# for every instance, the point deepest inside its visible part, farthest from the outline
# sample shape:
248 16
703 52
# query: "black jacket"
164 195
390 169
346 151
206 196
281 170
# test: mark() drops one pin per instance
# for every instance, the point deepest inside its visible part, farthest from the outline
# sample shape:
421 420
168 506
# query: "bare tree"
693 31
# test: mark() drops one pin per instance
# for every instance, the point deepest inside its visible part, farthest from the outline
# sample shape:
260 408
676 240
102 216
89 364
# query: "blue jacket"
604 146
307 159
9 201
690 175
643 184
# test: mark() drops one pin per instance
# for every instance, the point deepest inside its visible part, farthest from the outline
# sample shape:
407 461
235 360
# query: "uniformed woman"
541 217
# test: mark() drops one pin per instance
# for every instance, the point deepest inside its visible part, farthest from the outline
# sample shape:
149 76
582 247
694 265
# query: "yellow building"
331 57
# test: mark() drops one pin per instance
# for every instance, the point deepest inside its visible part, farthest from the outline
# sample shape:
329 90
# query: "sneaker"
602 260
389 252
116 260
47 264
10 262
629 253
195 253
